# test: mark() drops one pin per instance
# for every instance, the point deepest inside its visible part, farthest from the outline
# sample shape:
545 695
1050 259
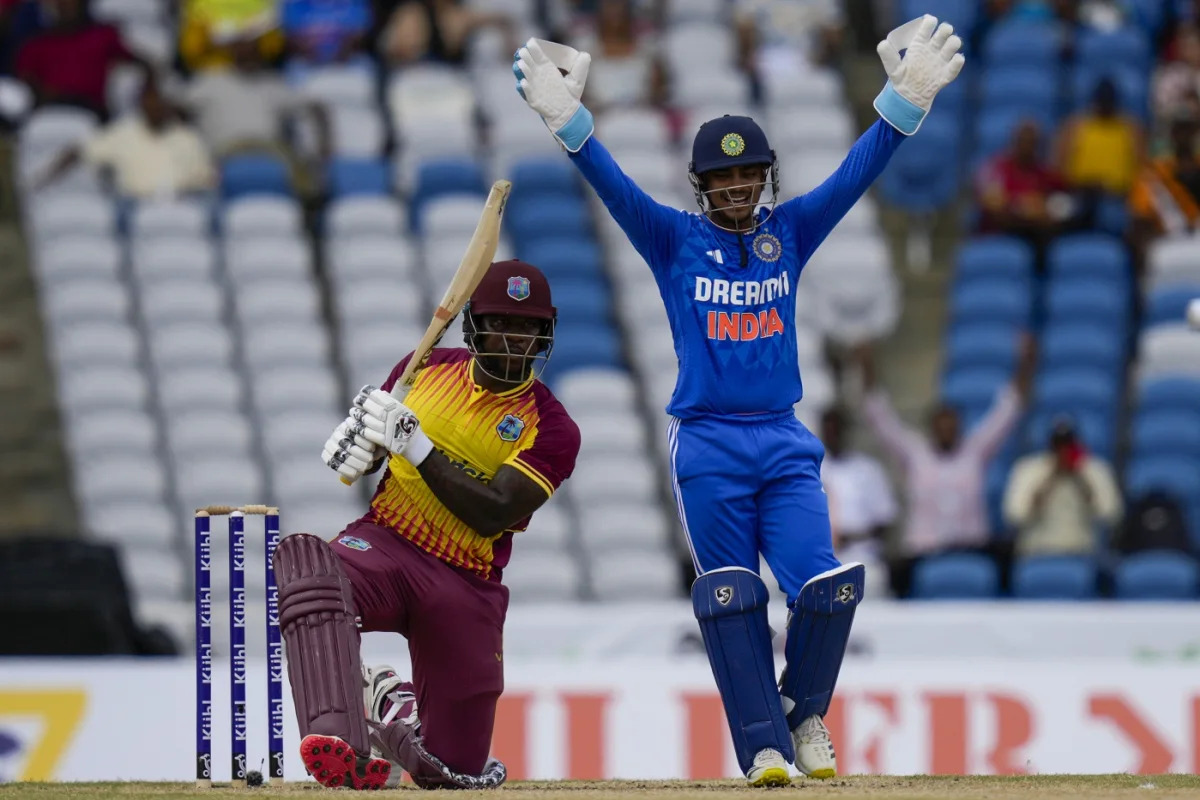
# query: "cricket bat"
474 264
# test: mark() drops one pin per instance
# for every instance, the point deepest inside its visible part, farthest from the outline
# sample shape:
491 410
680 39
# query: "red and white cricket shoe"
334 763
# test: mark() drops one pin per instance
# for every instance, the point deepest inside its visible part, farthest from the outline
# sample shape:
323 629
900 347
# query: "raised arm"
654 229
989 435
897 438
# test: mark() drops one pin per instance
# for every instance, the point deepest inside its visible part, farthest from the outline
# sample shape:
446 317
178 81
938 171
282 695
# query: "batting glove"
392 425
347 452
554 96
930 63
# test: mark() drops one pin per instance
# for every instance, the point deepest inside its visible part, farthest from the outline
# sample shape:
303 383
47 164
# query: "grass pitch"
1099 787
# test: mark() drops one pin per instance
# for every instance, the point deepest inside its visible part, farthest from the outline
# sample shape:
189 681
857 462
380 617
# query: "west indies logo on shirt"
510 428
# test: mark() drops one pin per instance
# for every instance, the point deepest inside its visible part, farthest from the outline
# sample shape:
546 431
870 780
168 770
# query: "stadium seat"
1167 432
1096 429
963 16
956 576
973 387
1168 305
268 215
1020 88
1099 49
67 257
173 258
991 300
994 129
1175 393
1157 575
550 215
925 177
562 257
983 345
994 257
582 299
1132 86
1081 344
170 219
1077 388
1054 578
254 175
1083 299
538 177
1169 348
583 345
359 214
1176 475
1088 256
359 176
1033 44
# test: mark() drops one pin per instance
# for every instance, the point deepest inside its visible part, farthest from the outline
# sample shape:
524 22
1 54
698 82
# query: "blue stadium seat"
1054 578
562 257
1157 575
1148 14
1020 88
1000 257
973 387
1034 44
923 175
1168 304
1077 389
1178 476
1088 255
582 299
991 300
1081 344
1162 394
242 175
535 177
1128 46
1079 300
1168 433
956 576
546 216
982 345
963 16
448 176
1097 430
580 344
1112 216
358 176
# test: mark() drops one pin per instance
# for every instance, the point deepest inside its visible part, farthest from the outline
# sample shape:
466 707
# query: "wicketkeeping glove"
554 96
391 424
930 63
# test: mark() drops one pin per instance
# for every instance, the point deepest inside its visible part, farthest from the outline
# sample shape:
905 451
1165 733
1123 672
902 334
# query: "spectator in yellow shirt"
210 27
1100 150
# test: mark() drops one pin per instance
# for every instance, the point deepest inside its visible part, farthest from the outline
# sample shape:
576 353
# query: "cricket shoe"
333 763
769 769
814 749
387 697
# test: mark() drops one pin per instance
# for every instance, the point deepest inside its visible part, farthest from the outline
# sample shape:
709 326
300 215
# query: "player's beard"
512 362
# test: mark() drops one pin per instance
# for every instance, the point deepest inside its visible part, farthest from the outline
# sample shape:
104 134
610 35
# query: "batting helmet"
511 289
731 141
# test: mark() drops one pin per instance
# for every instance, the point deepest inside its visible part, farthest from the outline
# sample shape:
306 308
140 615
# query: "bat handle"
346 480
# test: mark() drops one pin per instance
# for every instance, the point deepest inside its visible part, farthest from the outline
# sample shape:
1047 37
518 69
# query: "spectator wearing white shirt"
861 502
151 153
946 470
1055 499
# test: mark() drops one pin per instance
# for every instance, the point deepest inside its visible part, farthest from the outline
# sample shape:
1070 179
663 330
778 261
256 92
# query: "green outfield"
852 788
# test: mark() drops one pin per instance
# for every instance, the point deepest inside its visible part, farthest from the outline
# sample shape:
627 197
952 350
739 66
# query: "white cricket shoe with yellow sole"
770 768
814 749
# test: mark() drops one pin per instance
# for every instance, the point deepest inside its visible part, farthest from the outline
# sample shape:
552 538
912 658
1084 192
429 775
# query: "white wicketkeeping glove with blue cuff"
556 97
931 61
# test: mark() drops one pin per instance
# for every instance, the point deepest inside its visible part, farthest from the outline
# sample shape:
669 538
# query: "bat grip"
346 480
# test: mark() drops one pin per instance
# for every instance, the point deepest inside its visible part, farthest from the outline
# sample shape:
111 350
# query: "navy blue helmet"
731 141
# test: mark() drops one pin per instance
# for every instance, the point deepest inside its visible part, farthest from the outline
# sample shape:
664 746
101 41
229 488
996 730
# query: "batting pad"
818 630
731 605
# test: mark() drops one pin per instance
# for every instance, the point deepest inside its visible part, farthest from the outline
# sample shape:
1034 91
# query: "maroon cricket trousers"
453 621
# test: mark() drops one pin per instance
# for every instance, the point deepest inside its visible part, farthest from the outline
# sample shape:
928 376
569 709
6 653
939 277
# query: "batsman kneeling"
475 448
746 472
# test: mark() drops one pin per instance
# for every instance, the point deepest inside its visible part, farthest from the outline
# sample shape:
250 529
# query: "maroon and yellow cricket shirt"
525 428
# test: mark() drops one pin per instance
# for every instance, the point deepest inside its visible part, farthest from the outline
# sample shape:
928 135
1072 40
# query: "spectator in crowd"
243 108
621 63
152 154
945 471
1166 196
1100 150
70 61
433 30
209 28
861 503
1021 195
325 31
1055 499
1178 79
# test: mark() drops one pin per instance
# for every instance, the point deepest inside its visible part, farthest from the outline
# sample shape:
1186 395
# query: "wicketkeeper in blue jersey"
746 472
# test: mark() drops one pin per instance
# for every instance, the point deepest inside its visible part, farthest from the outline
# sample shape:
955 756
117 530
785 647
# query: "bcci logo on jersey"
510 428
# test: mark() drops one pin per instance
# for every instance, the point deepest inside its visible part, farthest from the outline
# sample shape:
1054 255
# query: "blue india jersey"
734 326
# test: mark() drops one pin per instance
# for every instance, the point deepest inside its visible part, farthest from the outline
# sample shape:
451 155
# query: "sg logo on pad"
724 594
845 593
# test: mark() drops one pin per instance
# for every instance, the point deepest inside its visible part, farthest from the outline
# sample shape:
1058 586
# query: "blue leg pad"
818 630
731 605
